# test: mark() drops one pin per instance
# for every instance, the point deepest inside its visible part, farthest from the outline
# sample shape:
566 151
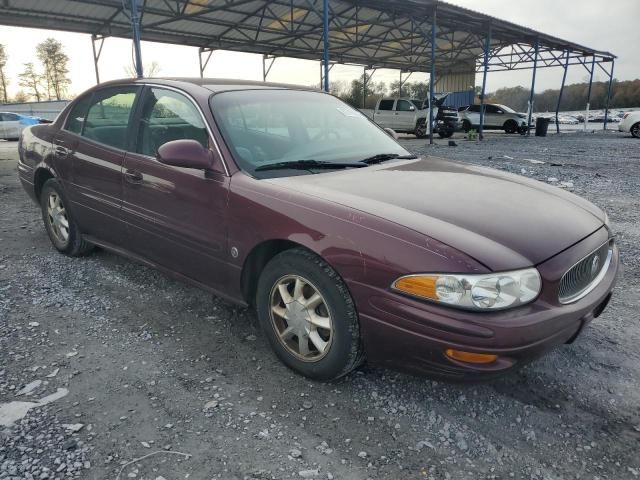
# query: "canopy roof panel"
376 33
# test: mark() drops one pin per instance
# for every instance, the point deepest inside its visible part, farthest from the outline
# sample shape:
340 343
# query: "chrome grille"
585 275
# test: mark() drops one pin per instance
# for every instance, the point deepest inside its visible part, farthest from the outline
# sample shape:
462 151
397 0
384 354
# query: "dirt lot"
144 365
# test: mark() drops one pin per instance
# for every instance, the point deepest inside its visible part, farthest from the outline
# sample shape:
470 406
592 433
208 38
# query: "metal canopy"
375 33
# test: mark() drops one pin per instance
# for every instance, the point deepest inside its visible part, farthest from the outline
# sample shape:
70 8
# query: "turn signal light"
470 357
419 285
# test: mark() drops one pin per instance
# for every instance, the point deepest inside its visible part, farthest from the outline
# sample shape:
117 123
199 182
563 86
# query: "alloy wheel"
57 216
301 318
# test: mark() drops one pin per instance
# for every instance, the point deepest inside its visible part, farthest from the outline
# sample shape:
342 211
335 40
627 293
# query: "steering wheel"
326 134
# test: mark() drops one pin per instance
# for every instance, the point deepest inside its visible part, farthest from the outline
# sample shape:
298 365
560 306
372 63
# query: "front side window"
166 116
404 106
108 116
265 126
9 117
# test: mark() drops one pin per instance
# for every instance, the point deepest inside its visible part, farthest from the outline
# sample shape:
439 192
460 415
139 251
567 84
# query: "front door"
405 116
176 217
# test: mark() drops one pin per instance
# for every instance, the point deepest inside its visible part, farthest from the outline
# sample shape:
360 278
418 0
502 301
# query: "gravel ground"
126 373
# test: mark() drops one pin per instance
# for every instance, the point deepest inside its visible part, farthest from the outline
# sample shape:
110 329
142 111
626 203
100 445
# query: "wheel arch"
257 259
40 176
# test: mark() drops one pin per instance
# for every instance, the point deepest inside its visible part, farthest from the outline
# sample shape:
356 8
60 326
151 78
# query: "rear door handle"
61 151
133 176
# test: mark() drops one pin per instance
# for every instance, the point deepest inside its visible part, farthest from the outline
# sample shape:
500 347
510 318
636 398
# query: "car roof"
215 85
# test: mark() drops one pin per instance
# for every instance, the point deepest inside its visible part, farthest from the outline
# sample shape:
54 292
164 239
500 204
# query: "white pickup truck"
405 115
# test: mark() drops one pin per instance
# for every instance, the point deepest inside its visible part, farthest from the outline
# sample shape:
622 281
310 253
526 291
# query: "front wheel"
308 315
635 130
421 130
466 126
510 126
62 229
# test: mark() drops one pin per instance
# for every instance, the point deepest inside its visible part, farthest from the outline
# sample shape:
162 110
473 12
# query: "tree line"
48 80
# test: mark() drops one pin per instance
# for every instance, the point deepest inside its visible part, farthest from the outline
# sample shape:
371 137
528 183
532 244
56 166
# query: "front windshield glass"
261 127
506 109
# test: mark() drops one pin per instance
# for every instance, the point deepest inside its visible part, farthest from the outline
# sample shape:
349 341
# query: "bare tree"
150 70
31 80
3 76
56 70
21 97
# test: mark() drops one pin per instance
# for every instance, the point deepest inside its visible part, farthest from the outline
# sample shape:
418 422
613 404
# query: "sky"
594 23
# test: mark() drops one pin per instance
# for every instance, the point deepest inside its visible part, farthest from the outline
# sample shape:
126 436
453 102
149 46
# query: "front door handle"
133 176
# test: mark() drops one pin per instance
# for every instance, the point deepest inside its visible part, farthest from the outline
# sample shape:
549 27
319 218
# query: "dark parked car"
346 244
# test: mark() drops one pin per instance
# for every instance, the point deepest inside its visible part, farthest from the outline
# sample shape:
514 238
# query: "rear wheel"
635 130
466 125
510 126
445 132
308 315
63 231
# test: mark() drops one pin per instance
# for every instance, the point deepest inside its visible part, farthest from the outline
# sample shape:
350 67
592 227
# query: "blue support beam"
135 26
325 37
606 107
533 84
432 79
487 45
564 79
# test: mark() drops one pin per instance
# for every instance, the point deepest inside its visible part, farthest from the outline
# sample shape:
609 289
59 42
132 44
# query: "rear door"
176 216
92 143
385 114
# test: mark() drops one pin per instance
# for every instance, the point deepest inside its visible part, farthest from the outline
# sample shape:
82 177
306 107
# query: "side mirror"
412 108
187 153
391 132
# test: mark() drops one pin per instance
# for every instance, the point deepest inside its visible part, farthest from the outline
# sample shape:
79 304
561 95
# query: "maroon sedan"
347 245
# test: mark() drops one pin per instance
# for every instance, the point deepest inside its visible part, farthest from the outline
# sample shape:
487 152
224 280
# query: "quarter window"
108 116
167 116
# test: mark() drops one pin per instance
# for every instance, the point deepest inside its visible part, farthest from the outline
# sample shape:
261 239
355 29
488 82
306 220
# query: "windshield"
261 127
506 109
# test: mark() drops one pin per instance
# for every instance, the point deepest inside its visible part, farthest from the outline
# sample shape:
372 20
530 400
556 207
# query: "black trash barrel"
542 125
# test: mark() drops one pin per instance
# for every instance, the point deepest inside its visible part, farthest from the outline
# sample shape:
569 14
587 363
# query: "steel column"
487 45
564 79
325 38
203 65
432 79
364 88
593 68
265 69
533 85
96 54
135 25
606 107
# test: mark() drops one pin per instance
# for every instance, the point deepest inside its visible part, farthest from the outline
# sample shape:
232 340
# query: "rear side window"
166 116
108 116
77 115
10 117
386 105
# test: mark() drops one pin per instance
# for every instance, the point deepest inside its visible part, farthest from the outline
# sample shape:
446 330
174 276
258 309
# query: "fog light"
470 357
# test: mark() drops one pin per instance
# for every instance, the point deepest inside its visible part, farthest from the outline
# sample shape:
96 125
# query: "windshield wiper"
308 165
383 157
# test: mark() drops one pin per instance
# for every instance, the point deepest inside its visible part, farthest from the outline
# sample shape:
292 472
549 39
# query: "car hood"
502 220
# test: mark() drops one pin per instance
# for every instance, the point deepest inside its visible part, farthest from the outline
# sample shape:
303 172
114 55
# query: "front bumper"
401 332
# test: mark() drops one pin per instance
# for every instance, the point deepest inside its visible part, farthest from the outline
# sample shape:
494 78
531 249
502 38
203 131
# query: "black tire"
345 350
421 129
635 130
74 245
466 125
510 126
445 132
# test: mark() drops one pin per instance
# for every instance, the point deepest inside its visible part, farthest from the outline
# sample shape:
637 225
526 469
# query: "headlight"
490 291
